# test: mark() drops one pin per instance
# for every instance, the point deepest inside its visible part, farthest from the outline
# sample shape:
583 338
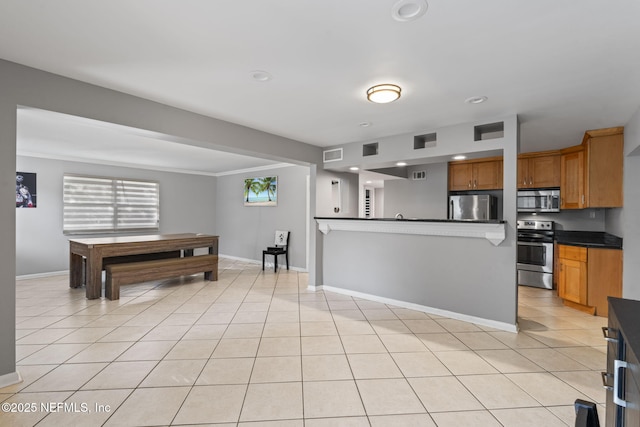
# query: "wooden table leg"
94 276
212 275
76 276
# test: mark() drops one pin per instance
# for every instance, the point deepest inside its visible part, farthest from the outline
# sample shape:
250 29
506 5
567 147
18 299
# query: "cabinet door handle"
609 333
475 183
469 184
617 365
530 180
605 381
583 199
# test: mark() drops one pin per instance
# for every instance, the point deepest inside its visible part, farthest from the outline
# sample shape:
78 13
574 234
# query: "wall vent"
419 175
488 131
334 155
424 141
370 149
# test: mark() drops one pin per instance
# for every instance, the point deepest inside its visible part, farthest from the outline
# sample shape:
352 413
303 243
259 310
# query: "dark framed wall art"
26 193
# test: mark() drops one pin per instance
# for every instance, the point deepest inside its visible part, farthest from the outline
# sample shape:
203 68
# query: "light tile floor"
259 349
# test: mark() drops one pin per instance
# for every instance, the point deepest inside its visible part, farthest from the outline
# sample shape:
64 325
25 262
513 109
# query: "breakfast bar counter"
464 270
492 230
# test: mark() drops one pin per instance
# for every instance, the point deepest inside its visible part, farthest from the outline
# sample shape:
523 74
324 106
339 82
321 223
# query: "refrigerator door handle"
609 334
450 209
617 365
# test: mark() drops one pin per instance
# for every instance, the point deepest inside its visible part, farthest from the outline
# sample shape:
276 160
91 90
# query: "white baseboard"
256 261
66 272
41 275
426 309
10 379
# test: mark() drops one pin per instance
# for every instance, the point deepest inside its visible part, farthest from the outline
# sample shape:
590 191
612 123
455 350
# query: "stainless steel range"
535 253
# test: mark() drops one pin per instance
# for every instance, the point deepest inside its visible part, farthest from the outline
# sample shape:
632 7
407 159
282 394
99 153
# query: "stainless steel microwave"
539 200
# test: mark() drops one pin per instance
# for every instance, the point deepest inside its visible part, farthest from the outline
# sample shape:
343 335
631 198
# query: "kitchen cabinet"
572 277
539 170
587 276
591 173
572 180
623 349
477 174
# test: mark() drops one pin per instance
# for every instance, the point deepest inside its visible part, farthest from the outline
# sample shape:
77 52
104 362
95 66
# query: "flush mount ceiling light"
409 10
261 76
382 94
476 100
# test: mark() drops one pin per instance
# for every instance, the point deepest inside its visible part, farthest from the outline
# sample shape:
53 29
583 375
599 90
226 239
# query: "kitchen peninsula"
452 268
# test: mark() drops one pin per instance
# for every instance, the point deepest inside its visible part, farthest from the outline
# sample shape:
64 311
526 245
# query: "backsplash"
572 220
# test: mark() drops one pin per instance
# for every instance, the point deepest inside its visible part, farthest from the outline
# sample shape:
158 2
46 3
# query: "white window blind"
93 204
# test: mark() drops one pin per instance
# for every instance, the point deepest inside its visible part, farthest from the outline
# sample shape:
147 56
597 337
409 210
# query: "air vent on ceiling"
419 175
332 155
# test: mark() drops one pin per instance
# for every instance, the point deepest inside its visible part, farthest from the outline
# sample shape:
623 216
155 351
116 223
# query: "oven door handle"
533 243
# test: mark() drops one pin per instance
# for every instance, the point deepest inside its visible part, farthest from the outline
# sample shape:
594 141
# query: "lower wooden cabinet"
572 278
587 276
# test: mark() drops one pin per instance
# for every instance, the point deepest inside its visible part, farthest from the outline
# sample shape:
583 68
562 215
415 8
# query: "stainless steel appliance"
535 253
478 207
539 200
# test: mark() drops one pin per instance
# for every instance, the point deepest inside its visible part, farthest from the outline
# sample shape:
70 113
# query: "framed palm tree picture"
261 191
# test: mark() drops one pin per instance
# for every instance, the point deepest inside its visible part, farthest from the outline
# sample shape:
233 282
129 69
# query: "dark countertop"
588 239
463 221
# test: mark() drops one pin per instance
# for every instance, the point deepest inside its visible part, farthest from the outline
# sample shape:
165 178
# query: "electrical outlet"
592 214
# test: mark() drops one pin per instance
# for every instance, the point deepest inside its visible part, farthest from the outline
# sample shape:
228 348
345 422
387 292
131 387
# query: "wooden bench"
138 272
121 259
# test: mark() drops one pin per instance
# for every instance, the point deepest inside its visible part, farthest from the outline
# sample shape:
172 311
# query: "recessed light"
408 10
460 157
384 93
401 164
354 168
261 76
476 100
368 182
365 124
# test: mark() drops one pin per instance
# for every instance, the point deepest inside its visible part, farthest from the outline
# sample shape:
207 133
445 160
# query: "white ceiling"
562 66
60 136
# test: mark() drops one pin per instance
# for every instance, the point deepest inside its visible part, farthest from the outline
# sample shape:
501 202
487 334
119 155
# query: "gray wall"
20 85
494 295
425 270
418 199
41 247
631 211
349 183
246 231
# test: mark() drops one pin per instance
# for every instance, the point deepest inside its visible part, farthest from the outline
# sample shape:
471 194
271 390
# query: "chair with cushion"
281 247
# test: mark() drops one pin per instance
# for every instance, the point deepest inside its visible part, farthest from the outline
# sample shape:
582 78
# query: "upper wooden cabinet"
476 174
591 173
539 170
572 194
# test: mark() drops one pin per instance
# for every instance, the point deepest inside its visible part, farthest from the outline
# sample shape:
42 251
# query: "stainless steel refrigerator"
478 207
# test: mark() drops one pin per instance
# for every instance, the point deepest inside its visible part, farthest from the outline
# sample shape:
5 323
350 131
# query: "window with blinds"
93 204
